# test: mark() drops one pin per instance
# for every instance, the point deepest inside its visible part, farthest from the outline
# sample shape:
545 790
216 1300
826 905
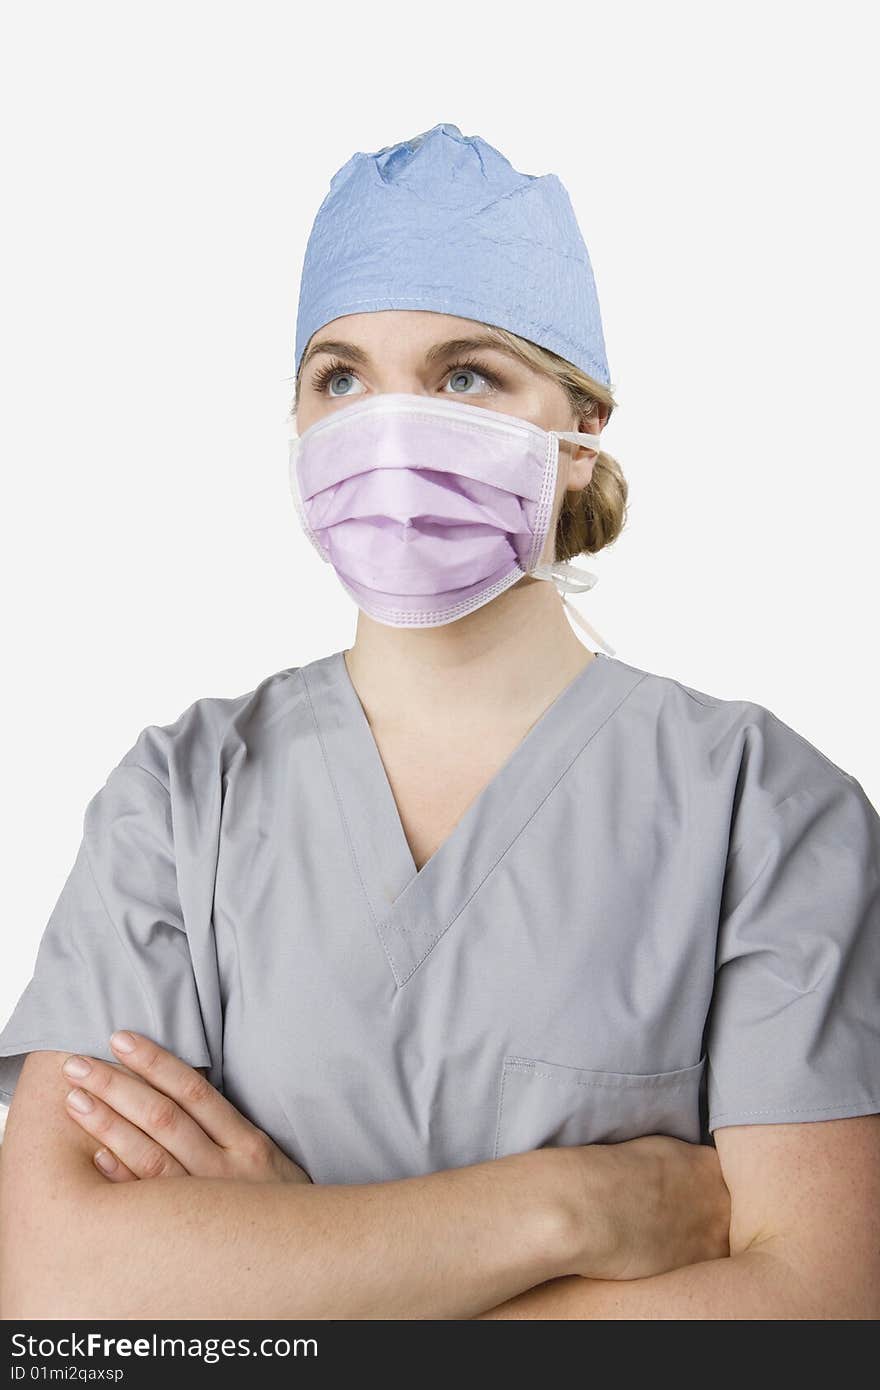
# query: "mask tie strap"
569 578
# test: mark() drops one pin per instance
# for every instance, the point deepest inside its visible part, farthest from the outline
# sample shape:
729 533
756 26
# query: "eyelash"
322 377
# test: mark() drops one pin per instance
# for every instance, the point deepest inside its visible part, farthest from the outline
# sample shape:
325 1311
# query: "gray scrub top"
662 915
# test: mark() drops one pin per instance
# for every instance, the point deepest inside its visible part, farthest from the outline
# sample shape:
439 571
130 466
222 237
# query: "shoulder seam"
708 701
829 762
166 790
714 702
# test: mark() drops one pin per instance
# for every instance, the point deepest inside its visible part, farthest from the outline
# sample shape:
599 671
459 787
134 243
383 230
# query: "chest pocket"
544 1104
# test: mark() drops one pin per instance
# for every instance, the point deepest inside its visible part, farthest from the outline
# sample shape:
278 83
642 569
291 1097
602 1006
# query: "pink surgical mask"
428 508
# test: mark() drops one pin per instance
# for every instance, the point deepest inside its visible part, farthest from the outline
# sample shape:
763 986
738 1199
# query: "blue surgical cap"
444 222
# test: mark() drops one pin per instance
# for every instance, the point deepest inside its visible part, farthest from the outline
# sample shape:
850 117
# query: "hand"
161 1118
665 1201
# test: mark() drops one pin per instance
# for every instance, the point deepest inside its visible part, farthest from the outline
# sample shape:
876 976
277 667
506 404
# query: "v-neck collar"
412 909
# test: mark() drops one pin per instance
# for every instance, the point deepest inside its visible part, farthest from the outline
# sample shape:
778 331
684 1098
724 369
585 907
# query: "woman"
514 963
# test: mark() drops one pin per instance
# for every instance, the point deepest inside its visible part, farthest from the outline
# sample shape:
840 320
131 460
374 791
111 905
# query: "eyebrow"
440 351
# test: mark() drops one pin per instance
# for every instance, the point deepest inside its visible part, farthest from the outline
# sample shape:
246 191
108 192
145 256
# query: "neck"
503 663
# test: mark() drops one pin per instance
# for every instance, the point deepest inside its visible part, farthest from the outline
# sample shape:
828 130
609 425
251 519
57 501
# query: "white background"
162 164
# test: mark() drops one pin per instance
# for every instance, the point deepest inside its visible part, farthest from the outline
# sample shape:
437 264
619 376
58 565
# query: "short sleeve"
794 1026
114 953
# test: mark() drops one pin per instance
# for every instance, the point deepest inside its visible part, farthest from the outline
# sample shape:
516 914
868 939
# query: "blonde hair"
593 518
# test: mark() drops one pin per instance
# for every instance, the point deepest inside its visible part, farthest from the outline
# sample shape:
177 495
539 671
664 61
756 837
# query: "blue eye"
461 371
335 373
341 380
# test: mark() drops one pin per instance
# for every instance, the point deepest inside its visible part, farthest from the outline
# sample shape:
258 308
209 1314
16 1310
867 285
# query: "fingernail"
79 1100
77 1066
105 1160
123 1042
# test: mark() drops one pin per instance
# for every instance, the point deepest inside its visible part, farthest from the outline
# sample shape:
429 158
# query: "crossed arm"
804 1238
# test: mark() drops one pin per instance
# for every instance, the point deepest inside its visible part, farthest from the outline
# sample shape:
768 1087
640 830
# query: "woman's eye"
461 377
343 379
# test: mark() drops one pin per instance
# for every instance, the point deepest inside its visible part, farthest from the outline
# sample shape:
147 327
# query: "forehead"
404 335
